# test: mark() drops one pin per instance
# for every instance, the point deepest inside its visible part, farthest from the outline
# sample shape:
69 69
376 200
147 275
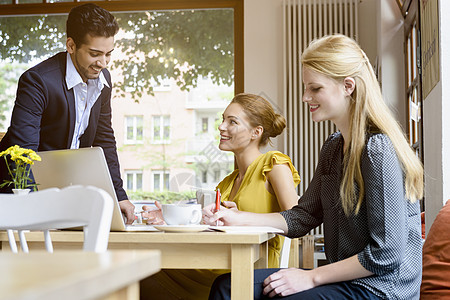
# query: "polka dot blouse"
385 234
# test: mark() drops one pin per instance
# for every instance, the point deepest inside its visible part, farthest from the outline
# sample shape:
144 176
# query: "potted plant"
19 170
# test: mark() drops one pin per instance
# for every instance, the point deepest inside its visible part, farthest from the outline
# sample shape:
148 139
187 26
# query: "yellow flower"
19 171
24 159
34 156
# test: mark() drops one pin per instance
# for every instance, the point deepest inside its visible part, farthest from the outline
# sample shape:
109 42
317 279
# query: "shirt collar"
73 78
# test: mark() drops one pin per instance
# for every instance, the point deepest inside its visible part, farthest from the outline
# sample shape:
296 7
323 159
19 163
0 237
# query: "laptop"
84 166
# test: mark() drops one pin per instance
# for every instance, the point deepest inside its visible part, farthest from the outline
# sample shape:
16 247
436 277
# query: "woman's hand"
227 215
153 215
287 282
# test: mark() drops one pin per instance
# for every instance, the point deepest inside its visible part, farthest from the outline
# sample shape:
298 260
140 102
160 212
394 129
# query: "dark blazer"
43 117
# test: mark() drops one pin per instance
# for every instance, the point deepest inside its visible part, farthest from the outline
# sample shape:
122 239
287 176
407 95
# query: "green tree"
23 39
182 45
9 74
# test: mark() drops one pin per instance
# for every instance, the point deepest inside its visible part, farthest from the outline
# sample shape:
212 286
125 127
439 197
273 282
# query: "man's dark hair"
90 19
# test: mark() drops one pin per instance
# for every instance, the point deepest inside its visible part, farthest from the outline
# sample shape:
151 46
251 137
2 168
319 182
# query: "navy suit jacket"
43 117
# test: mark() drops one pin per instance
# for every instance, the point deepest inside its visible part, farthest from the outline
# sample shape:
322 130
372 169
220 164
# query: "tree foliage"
155 45
23 39
9 74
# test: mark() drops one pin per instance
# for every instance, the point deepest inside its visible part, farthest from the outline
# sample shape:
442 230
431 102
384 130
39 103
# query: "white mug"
182 214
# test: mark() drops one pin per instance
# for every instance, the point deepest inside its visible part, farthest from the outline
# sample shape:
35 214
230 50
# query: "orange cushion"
436 258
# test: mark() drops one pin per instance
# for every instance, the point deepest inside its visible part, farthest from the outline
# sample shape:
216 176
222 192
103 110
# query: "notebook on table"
85 166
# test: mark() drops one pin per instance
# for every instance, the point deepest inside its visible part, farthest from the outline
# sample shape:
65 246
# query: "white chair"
285 250
205 197
75 206
290 253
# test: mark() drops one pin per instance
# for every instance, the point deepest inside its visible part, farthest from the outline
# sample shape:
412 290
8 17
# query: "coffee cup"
182 214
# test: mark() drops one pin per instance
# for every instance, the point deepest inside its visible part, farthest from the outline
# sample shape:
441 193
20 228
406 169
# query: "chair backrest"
205 197
75 206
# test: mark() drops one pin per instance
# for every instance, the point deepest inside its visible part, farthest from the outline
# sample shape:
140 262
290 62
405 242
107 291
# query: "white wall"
445 112
263 38
436 112
381 37
263 60
368 28
391 58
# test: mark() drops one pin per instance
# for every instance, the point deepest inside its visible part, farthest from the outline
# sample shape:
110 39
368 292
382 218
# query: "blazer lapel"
70 97
87 139
71 103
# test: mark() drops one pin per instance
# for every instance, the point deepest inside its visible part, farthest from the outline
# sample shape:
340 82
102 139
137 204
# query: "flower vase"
21 191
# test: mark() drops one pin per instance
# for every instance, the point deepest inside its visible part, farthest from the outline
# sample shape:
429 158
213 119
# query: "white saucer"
181 228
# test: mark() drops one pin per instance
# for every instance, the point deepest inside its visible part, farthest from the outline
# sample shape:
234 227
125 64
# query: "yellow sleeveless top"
252 196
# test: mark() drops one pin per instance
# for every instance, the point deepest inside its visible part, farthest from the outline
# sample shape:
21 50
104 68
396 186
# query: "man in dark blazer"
65 101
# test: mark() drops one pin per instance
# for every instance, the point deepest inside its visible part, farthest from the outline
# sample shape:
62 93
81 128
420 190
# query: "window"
161 129
175 63
160 181
164 85
217 175
133 180
55 8
204 177
134 129
204 125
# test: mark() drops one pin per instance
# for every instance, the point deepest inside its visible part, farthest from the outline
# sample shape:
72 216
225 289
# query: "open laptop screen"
84 166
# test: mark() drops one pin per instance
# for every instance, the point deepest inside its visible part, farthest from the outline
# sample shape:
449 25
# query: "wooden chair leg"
294 254
308 251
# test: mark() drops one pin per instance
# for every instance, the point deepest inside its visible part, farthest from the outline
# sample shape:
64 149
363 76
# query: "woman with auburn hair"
262 183
365 191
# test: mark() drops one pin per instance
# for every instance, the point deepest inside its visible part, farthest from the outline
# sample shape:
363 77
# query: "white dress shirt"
85 97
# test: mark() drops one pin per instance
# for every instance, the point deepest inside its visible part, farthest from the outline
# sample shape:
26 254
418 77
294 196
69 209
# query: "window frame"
203 129
162 177
162 118
133 141
217 175
134 173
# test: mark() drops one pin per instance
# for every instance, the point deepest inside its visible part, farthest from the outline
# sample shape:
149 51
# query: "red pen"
218 196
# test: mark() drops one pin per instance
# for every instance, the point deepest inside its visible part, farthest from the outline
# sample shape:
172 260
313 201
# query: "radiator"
304 21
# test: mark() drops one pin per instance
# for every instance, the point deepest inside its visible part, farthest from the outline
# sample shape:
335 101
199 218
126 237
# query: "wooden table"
75 274
240 252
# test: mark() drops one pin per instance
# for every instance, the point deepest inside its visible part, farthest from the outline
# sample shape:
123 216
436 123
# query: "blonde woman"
365 191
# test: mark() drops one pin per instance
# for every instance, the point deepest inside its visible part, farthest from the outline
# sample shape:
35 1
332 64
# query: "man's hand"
127 208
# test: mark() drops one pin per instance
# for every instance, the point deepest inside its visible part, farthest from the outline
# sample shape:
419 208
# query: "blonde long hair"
338 57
